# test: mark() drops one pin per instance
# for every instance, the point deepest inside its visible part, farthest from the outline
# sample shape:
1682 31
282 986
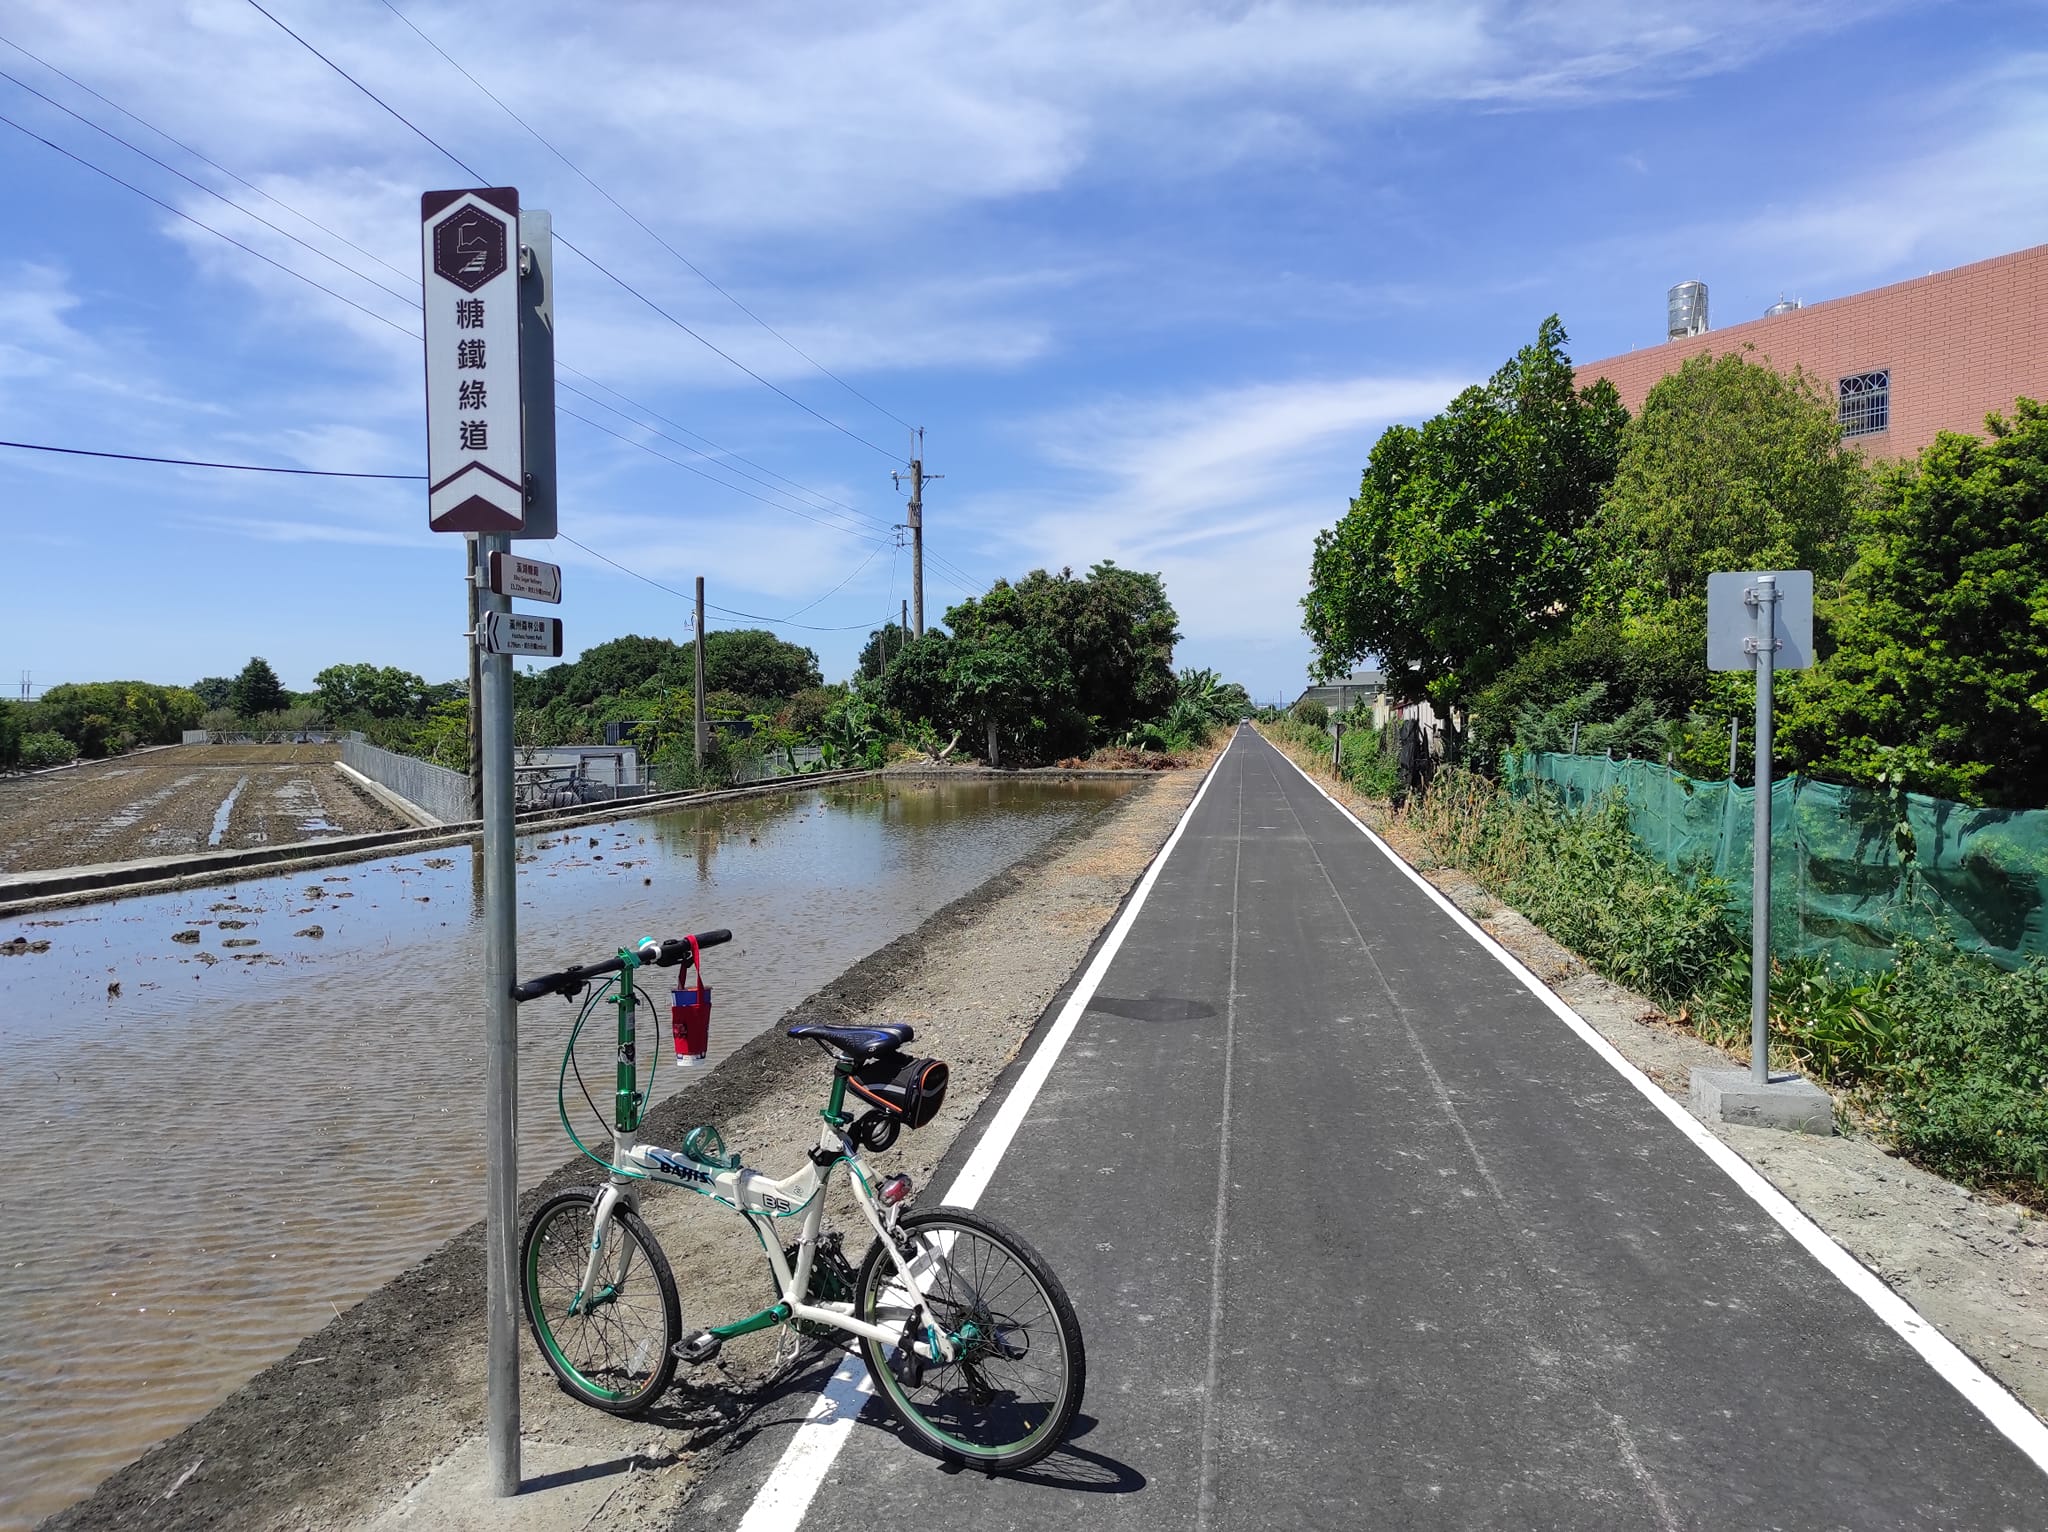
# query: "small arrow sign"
527 578
517 633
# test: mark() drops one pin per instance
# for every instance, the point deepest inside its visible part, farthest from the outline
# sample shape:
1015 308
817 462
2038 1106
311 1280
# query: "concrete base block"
1791 1102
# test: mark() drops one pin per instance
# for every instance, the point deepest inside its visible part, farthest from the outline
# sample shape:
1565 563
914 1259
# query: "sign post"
1761 621
486 306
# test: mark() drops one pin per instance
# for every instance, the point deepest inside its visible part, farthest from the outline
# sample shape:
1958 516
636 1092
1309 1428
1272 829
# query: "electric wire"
571 246
409 299
209 228
403 276
414 334
187 462
639 223
406 298
725 611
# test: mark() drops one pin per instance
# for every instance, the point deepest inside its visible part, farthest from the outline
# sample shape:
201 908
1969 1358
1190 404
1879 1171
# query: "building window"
1866 403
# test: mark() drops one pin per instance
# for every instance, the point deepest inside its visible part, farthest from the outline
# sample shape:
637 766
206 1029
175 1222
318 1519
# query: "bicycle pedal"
699 1348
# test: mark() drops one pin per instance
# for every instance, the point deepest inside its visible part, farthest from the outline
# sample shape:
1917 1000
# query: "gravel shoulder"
335 1434
173 802
1975 1266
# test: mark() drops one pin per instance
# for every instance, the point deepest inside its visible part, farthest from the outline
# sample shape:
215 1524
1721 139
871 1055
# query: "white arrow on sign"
531 579
517 633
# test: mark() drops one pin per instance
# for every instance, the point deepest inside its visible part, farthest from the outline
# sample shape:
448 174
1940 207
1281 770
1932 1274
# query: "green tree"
370 691
1013 684
257 690
1463 545
1938 680
104 717
1114 633
214 692
10 735
883 645
756 664
1730 465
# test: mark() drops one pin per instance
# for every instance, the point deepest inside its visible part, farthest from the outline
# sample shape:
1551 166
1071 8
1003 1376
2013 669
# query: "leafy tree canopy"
1463 544
750 661
258 690
100 717
1939 677
883 645
370 691
1113 631
1730 465
215 691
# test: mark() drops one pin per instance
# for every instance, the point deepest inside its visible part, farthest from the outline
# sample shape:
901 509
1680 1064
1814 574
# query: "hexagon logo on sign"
469 248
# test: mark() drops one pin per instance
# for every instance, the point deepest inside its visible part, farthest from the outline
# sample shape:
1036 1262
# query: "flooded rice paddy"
231 1112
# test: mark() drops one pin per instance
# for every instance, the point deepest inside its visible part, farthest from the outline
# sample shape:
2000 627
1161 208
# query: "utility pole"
698 703
476 689
915 521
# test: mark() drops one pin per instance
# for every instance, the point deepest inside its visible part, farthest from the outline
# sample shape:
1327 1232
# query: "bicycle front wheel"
612 1347
1012 1392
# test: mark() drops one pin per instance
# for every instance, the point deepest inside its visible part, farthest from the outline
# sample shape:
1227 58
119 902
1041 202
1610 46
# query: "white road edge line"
785 1495
2018 1424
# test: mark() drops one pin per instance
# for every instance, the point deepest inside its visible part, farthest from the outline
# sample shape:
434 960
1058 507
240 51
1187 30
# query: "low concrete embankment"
26 891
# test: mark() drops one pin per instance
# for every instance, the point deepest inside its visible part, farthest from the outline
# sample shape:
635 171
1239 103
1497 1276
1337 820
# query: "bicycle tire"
994 1432
609 1355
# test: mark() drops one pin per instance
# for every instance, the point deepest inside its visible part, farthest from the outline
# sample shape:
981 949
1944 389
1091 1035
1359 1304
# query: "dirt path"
181 800
334 1434
1974 1265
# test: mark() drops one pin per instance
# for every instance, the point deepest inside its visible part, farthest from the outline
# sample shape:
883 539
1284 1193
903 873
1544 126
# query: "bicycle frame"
758 1198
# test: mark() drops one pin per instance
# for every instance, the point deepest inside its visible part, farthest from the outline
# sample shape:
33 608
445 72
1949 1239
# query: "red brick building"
1934 354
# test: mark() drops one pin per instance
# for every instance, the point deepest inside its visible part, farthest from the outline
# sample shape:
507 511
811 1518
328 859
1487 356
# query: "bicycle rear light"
893 1190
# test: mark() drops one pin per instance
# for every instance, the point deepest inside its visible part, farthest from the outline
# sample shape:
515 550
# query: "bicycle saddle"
861 1042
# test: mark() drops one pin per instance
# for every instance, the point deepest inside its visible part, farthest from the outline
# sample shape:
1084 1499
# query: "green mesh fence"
1840 885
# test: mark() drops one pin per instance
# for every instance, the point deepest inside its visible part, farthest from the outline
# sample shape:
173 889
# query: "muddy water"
215 1143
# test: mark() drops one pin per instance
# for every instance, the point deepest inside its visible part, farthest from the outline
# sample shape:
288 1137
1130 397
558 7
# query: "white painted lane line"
2018 1424
785 1496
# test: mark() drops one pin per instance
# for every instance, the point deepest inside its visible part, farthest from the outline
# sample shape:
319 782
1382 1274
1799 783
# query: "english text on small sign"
517 633
529 579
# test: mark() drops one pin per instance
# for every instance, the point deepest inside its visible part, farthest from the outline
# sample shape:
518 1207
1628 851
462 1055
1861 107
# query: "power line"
708 606
186 462
209 228
204 160
406 298
415 334
700 473
571 246
641 225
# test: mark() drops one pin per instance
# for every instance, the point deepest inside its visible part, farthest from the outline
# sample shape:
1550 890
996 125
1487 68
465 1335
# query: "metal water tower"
1784 305
1687 309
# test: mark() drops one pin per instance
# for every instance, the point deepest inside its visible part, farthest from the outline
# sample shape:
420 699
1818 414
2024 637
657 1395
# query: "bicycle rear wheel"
1011 1395
613 1348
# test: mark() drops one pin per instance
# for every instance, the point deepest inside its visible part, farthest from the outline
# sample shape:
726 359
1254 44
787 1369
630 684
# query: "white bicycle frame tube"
763 1202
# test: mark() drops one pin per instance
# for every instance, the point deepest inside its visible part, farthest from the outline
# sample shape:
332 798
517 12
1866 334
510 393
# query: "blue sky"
1153 277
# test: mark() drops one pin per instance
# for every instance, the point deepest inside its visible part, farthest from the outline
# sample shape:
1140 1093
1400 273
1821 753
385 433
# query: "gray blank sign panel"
1730 619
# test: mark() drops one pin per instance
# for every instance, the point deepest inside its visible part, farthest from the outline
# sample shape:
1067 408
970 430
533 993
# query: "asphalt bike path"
1362 1235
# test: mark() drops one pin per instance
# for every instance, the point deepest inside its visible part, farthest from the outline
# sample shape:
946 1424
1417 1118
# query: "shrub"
47 749
1968 1091
1314 714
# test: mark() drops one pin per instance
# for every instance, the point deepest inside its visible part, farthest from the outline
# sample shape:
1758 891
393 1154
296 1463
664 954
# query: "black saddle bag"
909 1091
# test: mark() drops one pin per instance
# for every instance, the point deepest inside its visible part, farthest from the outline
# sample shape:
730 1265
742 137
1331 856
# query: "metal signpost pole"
501 1058
478 278
1765 600
698 705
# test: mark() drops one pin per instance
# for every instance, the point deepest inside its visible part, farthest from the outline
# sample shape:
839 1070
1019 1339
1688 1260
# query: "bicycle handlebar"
570 981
